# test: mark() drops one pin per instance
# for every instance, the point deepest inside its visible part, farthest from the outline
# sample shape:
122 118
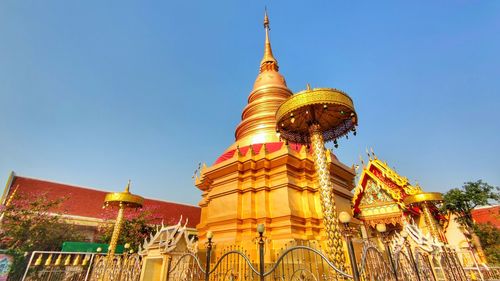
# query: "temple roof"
389 182
487 214
87 202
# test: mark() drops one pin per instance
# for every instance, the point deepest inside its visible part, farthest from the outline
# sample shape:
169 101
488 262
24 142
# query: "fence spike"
67 261
39 260
48 261
58 260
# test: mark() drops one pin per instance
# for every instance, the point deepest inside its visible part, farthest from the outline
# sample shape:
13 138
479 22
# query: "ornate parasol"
312 117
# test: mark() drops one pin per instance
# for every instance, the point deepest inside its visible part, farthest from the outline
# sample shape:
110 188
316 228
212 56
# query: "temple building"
378 197
382 196
82 206
260 179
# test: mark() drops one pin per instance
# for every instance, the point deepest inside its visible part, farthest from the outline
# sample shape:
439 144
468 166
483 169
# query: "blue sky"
94 93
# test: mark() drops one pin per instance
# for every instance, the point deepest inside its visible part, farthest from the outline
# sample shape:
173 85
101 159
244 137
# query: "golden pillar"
431 222
121 200
424 200
330 219
116 232
312 117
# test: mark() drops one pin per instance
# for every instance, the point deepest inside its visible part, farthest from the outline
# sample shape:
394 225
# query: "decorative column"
430 222
121 200
335 248
313 117
116 232
423 200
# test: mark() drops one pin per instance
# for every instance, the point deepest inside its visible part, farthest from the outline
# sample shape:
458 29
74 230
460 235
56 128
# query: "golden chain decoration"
335 250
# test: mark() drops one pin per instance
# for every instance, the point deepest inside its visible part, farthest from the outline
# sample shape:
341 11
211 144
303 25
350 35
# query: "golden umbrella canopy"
332 109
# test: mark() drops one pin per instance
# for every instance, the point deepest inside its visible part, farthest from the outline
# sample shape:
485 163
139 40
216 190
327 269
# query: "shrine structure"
382 196
260 179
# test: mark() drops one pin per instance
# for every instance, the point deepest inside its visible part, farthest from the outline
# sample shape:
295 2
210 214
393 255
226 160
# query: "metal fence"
81 266
299 261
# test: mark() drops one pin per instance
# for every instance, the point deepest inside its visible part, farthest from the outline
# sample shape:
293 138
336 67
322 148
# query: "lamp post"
382 229
311 118
260 229
210 235
345 218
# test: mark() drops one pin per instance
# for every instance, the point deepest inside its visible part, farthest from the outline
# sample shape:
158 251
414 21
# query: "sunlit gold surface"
430 221
423 197
128 199
116 232
335 249
332 109
258 121
268 61
278 189
123 200
313 117
388 207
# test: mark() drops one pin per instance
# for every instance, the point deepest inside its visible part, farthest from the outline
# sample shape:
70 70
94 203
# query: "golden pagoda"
260 179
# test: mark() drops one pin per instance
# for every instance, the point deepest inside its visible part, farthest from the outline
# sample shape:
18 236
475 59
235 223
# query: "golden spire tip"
268 61
266 19
127 188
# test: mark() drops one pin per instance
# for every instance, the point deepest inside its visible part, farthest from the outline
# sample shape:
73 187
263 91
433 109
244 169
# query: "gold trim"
331 109
311 97
128 199
423 197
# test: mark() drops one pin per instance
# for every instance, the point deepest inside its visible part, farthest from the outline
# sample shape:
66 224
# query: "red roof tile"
87 202
487 215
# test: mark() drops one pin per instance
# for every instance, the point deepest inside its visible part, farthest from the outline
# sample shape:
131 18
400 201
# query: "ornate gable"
378 197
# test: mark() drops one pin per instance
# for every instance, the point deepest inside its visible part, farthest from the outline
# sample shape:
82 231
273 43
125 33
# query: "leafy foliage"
461 201
30 223
137 225
489 236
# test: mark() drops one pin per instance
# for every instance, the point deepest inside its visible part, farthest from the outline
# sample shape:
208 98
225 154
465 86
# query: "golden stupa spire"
268 61
258 122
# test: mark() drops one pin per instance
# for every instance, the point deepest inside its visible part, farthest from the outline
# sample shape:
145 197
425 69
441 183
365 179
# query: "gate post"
210 235
260 230
348 232
169 265
385 239
404 234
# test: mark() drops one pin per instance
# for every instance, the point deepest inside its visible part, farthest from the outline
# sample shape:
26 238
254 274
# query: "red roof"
87 202
487 215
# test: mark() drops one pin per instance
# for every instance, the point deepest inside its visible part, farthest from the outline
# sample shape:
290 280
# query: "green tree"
32 223
137 225
489 236
461 201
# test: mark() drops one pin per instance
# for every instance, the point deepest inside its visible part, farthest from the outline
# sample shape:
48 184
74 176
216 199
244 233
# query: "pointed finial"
266 19
268 61
308 86
127 188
